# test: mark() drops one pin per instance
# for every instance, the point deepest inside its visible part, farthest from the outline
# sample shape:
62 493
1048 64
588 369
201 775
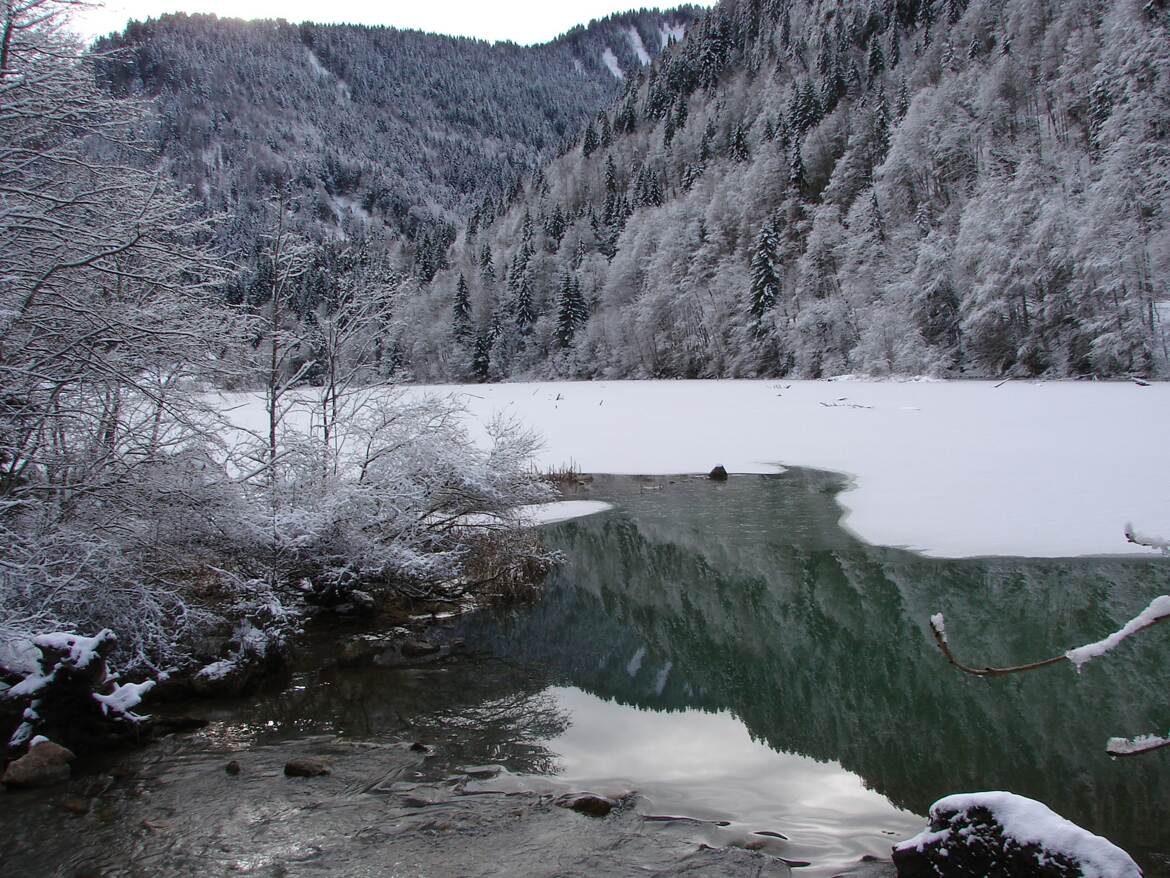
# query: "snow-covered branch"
1160 543
1157 611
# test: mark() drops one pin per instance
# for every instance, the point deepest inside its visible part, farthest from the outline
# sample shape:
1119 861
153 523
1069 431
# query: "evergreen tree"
877 60
765 288
481 361
461 311
589 142
524 312
796 174
487 267
573 312
738 147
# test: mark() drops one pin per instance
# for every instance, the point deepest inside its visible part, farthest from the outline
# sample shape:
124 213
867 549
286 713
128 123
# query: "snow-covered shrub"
398 503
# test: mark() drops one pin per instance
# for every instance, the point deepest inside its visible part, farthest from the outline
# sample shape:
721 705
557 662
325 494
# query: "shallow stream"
724 650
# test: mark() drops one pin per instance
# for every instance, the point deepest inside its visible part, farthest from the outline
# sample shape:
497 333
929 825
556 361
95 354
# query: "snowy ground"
950 469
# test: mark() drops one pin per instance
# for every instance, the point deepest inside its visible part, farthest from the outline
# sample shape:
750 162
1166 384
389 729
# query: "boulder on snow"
718 474
1002 835
43 765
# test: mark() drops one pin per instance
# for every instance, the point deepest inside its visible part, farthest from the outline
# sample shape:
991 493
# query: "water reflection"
746 597
724 648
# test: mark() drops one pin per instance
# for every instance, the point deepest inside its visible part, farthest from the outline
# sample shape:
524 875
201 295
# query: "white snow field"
946 468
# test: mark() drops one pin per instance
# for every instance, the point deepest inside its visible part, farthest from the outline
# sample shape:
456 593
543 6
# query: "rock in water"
1002 835
43 765
306 768
586 803
418 648
719 474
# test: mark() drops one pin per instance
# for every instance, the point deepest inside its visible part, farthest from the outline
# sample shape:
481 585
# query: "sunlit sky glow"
521 21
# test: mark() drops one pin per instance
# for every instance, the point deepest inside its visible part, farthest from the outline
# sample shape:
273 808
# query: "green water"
746 600
725 650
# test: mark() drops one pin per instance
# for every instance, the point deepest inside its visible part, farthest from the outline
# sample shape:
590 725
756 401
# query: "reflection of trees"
472 713
820 645
511 730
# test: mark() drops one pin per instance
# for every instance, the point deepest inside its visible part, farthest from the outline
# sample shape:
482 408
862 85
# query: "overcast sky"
522 21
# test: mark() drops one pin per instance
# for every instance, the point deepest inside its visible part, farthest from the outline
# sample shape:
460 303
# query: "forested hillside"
383 138
953 187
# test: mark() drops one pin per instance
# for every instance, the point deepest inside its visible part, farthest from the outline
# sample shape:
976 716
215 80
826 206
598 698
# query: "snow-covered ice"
560 510
947 468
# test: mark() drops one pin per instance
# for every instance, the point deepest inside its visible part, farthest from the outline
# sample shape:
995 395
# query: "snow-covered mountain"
810 188
380 134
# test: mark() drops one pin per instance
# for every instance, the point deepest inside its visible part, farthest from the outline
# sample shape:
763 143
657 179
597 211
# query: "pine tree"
481 361
765 288
589 142
573 312
877 60
525 314
902 103
738 147
796 170
487 267
554 227
461 312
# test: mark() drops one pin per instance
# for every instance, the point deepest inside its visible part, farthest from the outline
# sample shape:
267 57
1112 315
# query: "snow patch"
1030 822
316 64
217 670
939 625
668 32
560 510
638 46
1043 469
344 204
635 664
323 73
124 699
609 59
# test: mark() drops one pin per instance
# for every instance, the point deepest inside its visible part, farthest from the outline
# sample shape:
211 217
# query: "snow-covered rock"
1002 835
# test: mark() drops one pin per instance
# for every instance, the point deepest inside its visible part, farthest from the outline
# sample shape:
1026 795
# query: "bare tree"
108 329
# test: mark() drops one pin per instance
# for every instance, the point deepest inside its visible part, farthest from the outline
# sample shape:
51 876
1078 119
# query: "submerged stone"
586 803
45 764
306 767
